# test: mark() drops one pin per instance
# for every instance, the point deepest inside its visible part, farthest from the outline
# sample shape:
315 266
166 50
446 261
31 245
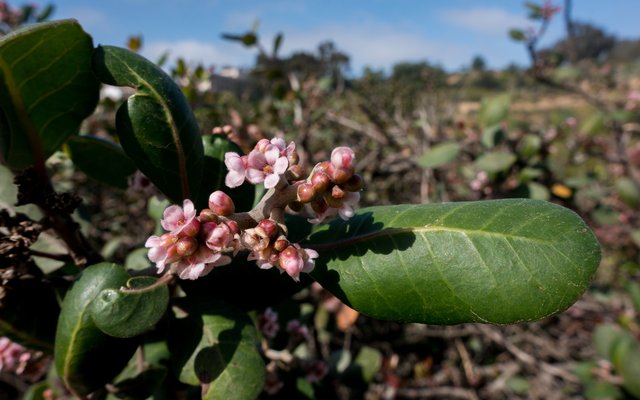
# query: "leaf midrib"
175 132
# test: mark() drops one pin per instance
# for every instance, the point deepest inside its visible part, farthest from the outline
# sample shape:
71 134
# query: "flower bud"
306 192
354 184
337 193
269 227
342 158
293 158
295 172
186 246
262 145
320 181
332 201
281 244
220 203
207 215
340 175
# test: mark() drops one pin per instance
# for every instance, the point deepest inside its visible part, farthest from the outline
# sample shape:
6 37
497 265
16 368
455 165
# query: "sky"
374 33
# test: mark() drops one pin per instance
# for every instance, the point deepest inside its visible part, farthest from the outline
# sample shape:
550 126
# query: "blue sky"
376 33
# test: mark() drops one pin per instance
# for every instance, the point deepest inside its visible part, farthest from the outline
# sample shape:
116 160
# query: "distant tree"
587 42
478 63
626 51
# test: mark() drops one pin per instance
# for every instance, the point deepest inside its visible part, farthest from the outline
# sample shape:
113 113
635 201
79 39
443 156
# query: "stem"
162 281
58 257
276 198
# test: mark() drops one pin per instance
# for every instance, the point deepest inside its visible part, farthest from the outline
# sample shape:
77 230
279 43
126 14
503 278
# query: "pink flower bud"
340 175
332 201
207 215
320 181
269 227
221 204
281 244
342 158
306 192
186 246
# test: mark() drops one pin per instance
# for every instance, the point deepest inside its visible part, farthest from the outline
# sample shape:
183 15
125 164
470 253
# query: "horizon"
377 34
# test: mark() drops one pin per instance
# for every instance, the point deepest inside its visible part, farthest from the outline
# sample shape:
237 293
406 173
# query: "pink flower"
221 237
298 331
265 258
237 167
181 221
266 167
199 263
294 259
349 201
162 250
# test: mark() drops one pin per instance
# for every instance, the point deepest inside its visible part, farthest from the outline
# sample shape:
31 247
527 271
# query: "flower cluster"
195 243
332 187
16 359
266 163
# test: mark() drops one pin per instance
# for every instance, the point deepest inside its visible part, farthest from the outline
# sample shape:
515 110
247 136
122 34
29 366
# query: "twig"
467 365
438 393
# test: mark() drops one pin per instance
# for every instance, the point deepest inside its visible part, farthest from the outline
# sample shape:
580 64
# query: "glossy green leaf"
439 155
501 261
132 310
85 357
496 161
47 88
494 110
215 146
156 126
218 349
101 160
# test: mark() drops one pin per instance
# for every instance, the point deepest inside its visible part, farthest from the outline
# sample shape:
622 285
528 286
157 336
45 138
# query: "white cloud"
91 19
376 45
194 52
493 21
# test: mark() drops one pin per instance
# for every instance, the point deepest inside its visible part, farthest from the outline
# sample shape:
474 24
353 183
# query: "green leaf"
606 337
630 370
496 161
215 147
633 290
439 155
156 126
494 110
101 160
130 311
492 135
517 35
529 146
85 357
594 124
628 191
218 349
368 361
47 88
501 261
134 383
